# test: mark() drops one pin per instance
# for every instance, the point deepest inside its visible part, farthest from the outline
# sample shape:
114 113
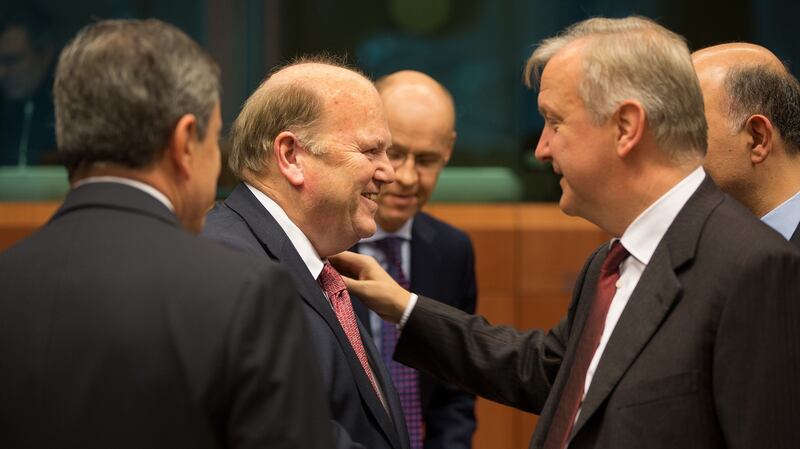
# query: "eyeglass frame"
398 158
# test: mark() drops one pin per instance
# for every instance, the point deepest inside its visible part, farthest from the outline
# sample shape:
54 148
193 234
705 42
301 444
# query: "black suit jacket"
796 236
705 354
120 329
442 267
359 418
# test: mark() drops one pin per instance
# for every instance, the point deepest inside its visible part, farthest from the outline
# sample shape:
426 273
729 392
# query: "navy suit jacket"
359 419
442 267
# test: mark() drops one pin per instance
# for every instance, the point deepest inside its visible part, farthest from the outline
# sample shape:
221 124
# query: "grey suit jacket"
705 354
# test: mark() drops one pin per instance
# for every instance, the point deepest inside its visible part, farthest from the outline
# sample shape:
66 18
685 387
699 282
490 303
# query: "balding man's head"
421 118
313 137
752 107
293 98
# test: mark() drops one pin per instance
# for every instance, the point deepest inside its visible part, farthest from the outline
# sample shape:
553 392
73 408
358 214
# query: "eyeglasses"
424 162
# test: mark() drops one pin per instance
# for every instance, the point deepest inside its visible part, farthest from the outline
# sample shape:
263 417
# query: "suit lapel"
796 236
279 247
652 299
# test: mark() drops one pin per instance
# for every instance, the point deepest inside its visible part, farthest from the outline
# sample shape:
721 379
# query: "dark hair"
122 85
760 89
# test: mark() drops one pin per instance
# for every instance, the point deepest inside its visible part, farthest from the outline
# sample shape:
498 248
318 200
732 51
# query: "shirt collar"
404 232
146 188
299 240
644 234
785 217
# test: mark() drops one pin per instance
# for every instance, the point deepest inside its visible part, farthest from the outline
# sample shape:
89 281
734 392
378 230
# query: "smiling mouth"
370 196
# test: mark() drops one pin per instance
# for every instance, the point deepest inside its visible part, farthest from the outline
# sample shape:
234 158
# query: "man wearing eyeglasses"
424 253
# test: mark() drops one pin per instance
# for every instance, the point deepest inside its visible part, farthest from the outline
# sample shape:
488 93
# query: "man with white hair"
682 329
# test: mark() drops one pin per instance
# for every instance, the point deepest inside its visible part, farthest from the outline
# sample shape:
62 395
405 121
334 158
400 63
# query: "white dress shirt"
310 257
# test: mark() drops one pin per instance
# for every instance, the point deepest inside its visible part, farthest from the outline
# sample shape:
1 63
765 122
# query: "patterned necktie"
406 379
333 285
572 396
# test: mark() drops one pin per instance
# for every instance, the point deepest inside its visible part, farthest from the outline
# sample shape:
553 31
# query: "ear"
182 143
761 130
629 120
289 155
451 141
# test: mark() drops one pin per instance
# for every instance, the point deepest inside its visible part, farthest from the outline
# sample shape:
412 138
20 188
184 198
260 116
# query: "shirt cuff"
412 301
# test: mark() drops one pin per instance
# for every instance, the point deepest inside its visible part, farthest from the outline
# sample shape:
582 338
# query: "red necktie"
572 396
406 379
333 285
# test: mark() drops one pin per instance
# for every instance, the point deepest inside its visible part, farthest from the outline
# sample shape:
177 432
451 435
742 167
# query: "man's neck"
775 187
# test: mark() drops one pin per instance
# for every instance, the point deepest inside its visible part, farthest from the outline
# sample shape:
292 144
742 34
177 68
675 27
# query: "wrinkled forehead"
354 113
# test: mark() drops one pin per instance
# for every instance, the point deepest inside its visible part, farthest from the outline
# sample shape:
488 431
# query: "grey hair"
122 85
635 58
760 89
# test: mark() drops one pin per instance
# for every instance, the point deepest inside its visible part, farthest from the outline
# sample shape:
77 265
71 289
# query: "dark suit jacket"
796 236
705 354
120 329
359 418
442 267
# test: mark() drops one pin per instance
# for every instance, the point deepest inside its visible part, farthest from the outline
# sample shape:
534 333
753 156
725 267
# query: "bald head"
753 110
307 98
421 118
414 94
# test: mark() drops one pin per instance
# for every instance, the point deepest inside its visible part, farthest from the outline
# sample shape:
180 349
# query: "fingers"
349 282
349 263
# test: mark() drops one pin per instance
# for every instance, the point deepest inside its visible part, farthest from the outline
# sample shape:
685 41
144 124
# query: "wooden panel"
496 426
553 248
491 228
19 220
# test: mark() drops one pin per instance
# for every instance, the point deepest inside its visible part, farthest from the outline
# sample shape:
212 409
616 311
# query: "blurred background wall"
476 48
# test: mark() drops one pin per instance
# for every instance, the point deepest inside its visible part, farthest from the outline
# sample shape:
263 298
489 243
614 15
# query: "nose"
542 151
384 173
406 174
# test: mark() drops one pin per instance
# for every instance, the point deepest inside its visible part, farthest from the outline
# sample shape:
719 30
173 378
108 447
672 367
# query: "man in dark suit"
753 111
118 328
435 258
310 147
682 331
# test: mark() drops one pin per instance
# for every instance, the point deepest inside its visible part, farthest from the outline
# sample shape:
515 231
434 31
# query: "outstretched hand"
365 278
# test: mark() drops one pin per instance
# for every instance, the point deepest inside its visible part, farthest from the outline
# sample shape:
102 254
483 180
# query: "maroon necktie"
333 285
406 379
572 396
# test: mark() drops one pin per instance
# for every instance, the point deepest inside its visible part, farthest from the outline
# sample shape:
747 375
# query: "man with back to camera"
118 328
753 111
680 330
435 258
310 148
